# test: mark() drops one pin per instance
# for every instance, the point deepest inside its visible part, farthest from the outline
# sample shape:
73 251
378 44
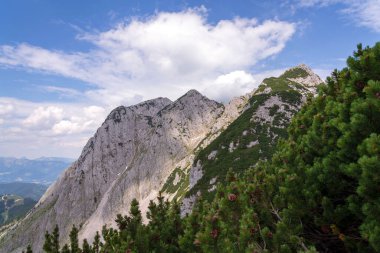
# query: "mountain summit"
303 74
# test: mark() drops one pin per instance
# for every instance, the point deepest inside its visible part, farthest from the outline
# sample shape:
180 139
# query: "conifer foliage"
329 168
319 193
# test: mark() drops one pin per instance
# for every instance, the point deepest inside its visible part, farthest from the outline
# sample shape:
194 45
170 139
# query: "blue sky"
65 64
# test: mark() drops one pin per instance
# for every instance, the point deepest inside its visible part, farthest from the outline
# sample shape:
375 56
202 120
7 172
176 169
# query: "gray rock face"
130 156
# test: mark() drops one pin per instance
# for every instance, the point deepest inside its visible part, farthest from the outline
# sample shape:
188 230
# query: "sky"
64 65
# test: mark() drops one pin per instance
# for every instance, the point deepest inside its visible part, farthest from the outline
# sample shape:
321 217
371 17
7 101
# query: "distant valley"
43 170
23 181
26 190
13 207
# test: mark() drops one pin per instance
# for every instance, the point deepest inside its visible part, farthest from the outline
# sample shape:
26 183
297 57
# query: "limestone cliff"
130 156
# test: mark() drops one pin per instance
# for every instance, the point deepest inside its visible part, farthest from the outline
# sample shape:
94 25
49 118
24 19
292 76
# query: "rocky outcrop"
309 80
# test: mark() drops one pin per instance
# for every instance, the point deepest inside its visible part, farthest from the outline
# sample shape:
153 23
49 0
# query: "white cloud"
233 84
43 117
5 109
64 119
56 129
240 77
62 91
310 3
237 83
162 55
66 126
367 13
364 12
94 112
89 119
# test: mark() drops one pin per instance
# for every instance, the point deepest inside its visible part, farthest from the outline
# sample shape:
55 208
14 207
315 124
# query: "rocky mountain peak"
304 67
151 105
146 108
302 74
191 95
191 100
193 92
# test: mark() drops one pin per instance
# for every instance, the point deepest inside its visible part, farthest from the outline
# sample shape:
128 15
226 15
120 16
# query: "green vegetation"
243 131
318 193
13 207
281 83
174 181
295 73
327 171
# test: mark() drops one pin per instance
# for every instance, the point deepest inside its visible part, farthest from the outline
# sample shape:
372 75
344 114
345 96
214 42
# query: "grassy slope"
266 134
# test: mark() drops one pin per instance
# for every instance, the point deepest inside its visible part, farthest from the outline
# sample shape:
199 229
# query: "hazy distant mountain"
55 159
43 170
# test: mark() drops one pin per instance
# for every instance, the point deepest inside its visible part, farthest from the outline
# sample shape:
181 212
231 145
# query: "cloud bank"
162 55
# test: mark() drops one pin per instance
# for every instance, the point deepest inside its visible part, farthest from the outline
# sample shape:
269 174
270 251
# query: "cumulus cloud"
364 12
233 84
54 128
162 55
89 118
237 83
165 54
43 117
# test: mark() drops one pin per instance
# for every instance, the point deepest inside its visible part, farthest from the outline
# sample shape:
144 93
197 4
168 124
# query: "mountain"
130 156
155 146
250 138
42 170
26 190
